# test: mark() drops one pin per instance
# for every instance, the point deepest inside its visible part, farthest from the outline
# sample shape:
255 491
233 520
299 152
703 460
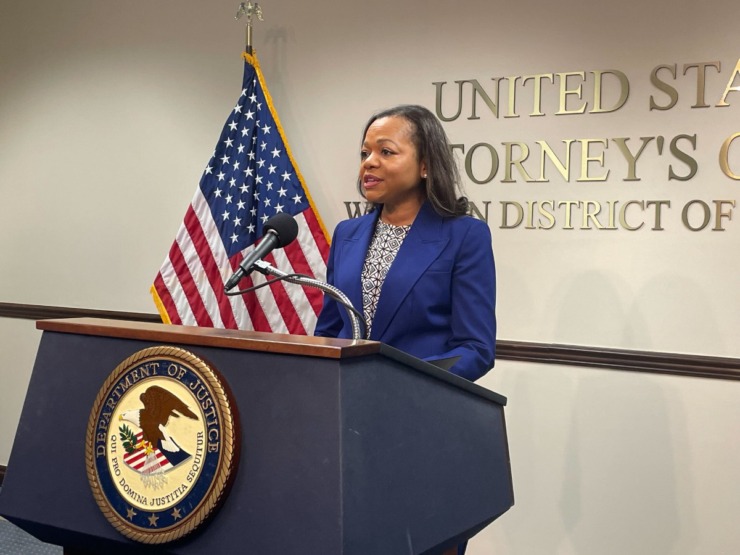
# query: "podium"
347 447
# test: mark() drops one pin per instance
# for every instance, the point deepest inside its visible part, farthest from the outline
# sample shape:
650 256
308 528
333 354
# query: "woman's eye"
386 151
363 154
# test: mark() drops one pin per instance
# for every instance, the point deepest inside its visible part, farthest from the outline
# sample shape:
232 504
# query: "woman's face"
390 169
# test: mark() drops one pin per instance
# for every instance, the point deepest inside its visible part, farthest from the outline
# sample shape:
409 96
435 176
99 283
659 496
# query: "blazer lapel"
354 249
422 246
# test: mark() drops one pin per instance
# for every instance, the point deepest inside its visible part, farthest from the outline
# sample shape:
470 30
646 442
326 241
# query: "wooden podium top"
322 347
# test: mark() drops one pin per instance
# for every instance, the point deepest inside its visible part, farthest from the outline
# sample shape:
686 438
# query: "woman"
421 269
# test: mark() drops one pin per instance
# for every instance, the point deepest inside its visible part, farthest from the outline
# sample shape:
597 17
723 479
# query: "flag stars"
249 198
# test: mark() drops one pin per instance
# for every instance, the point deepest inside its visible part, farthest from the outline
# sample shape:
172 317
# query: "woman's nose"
369 161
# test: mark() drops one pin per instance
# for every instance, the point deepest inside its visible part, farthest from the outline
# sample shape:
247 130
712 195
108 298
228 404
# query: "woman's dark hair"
442 183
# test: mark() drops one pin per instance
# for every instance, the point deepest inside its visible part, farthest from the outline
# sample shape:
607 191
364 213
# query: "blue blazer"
438 299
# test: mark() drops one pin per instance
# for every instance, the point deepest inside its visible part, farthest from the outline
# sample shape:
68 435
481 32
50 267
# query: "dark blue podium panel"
366 455
422 461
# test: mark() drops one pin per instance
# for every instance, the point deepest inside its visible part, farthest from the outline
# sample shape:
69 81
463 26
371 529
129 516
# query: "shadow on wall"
518 309
537 417
687 322
620 490
668 313
593 307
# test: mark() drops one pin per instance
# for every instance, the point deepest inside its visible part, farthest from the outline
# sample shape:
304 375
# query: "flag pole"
251 11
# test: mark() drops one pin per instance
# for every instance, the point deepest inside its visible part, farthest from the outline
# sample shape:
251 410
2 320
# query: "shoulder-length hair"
442 183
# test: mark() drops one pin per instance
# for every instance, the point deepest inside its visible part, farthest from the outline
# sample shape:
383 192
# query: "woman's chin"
373 196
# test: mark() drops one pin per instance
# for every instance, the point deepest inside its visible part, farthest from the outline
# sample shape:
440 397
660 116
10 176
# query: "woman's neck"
403 214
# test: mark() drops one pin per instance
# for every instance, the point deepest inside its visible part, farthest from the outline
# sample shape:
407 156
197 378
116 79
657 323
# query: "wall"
110 111
609 463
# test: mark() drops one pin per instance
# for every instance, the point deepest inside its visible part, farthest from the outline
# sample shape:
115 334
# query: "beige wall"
610 463
109 112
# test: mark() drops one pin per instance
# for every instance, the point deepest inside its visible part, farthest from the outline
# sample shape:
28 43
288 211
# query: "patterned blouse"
383 249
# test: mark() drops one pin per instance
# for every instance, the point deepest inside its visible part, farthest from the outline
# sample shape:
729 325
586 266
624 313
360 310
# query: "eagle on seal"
159 406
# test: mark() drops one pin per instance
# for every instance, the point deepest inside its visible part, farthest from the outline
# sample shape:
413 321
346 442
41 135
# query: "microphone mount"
266 269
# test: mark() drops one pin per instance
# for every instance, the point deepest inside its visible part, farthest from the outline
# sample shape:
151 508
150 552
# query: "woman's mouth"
369 180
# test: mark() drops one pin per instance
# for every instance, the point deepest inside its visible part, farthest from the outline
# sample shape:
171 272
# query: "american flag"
147 463
251 177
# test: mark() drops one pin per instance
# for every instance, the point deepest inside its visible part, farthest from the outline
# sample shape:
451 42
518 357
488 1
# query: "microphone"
280 230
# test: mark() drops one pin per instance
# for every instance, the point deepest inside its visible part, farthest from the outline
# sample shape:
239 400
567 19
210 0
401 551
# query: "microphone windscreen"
284 226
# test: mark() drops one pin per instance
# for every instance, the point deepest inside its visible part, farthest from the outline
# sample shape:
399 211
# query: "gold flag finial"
251 11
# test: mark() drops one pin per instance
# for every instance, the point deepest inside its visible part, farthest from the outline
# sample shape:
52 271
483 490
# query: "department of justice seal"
162 444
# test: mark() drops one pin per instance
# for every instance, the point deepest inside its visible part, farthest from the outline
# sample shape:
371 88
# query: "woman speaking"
423 268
